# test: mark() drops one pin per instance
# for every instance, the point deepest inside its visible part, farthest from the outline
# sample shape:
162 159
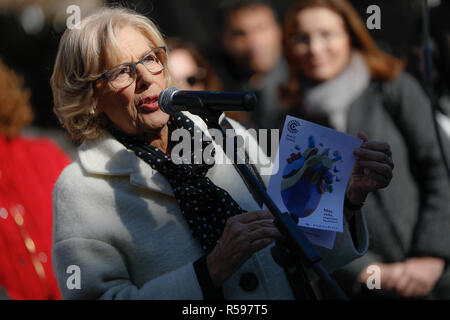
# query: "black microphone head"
250 101
165 100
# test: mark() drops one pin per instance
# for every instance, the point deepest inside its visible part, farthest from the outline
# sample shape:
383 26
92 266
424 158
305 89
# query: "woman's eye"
301 38
149 58
119 72
326 35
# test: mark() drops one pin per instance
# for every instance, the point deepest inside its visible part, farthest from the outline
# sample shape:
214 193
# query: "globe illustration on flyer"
314 164
307 176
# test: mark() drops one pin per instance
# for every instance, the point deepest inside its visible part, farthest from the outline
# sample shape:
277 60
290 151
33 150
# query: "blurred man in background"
252 38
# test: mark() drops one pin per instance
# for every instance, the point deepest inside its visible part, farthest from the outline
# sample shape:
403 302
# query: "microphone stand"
296 250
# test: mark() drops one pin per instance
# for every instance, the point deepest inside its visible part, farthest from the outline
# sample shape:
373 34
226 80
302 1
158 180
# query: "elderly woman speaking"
132 224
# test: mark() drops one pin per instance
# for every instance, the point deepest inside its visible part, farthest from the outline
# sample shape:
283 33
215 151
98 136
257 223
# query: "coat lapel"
106 156
149 178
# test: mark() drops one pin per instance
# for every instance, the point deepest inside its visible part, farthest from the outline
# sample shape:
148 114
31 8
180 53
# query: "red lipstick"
150 103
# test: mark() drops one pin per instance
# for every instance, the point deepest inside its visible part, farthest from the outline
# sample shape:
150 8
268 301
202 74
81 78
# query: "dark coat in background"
411 217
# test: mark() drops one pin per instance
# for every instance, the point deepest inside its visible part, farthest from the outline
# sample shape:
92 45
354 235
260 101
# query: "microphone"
172 100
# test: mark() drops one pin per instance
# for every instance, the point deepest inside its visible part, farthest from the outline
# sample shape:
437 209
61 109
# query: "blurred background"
30 31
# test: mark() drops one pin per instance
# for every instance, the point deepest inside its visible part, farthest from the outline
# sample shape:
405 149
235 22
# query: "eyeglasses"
123 75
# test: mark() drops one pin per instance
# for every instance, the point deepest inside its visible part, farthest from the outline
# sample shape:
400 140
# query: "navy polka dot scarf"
205 206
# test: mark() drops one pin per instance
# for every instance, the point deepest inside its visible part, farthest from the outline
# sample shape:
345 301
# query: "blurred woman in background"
28 170
192 71
339 78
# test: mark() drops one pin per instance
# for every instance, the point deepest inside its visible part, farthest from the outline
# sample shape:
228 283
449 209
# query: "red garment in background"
29 169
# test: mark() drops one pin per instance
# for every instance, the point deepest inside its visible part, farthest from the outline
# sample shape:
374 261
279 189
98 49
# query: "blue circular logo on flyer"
292 126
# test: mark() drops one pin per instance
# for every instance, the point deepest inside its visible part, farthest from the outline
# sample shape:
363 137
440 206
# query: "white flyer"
314 165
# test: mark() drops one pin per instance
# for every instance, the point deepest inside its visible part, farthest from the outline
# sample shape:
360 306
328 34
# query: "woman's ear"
96 109
93 112
98 89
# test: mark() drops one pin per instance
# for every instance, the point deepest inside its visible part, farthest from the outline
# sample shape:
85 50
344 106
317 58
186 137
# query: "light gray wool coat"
117 220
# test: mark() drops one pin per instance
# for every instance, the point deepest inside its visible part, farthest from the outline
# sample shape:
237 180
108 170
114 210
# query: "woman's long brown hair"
382 66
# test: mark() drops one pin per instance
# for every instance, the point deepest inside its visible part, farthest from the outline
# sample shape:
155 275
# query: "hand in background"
415 277
390 274
419 276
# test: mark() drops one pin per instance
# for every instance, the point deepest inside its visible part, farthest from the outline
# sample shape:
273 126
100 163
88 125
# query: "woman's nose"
144 78
315 45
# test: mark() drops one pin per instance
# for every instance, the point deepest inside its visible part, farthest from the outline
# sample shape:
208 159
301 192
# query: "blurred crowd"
315 59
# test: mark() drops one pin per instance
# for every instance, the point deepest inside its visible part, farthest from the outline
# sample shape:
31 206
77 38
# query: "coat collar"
106 156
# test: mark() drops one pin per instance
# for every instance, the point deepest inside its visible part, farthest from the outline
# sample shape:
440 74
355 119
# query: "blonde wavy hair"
84 54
